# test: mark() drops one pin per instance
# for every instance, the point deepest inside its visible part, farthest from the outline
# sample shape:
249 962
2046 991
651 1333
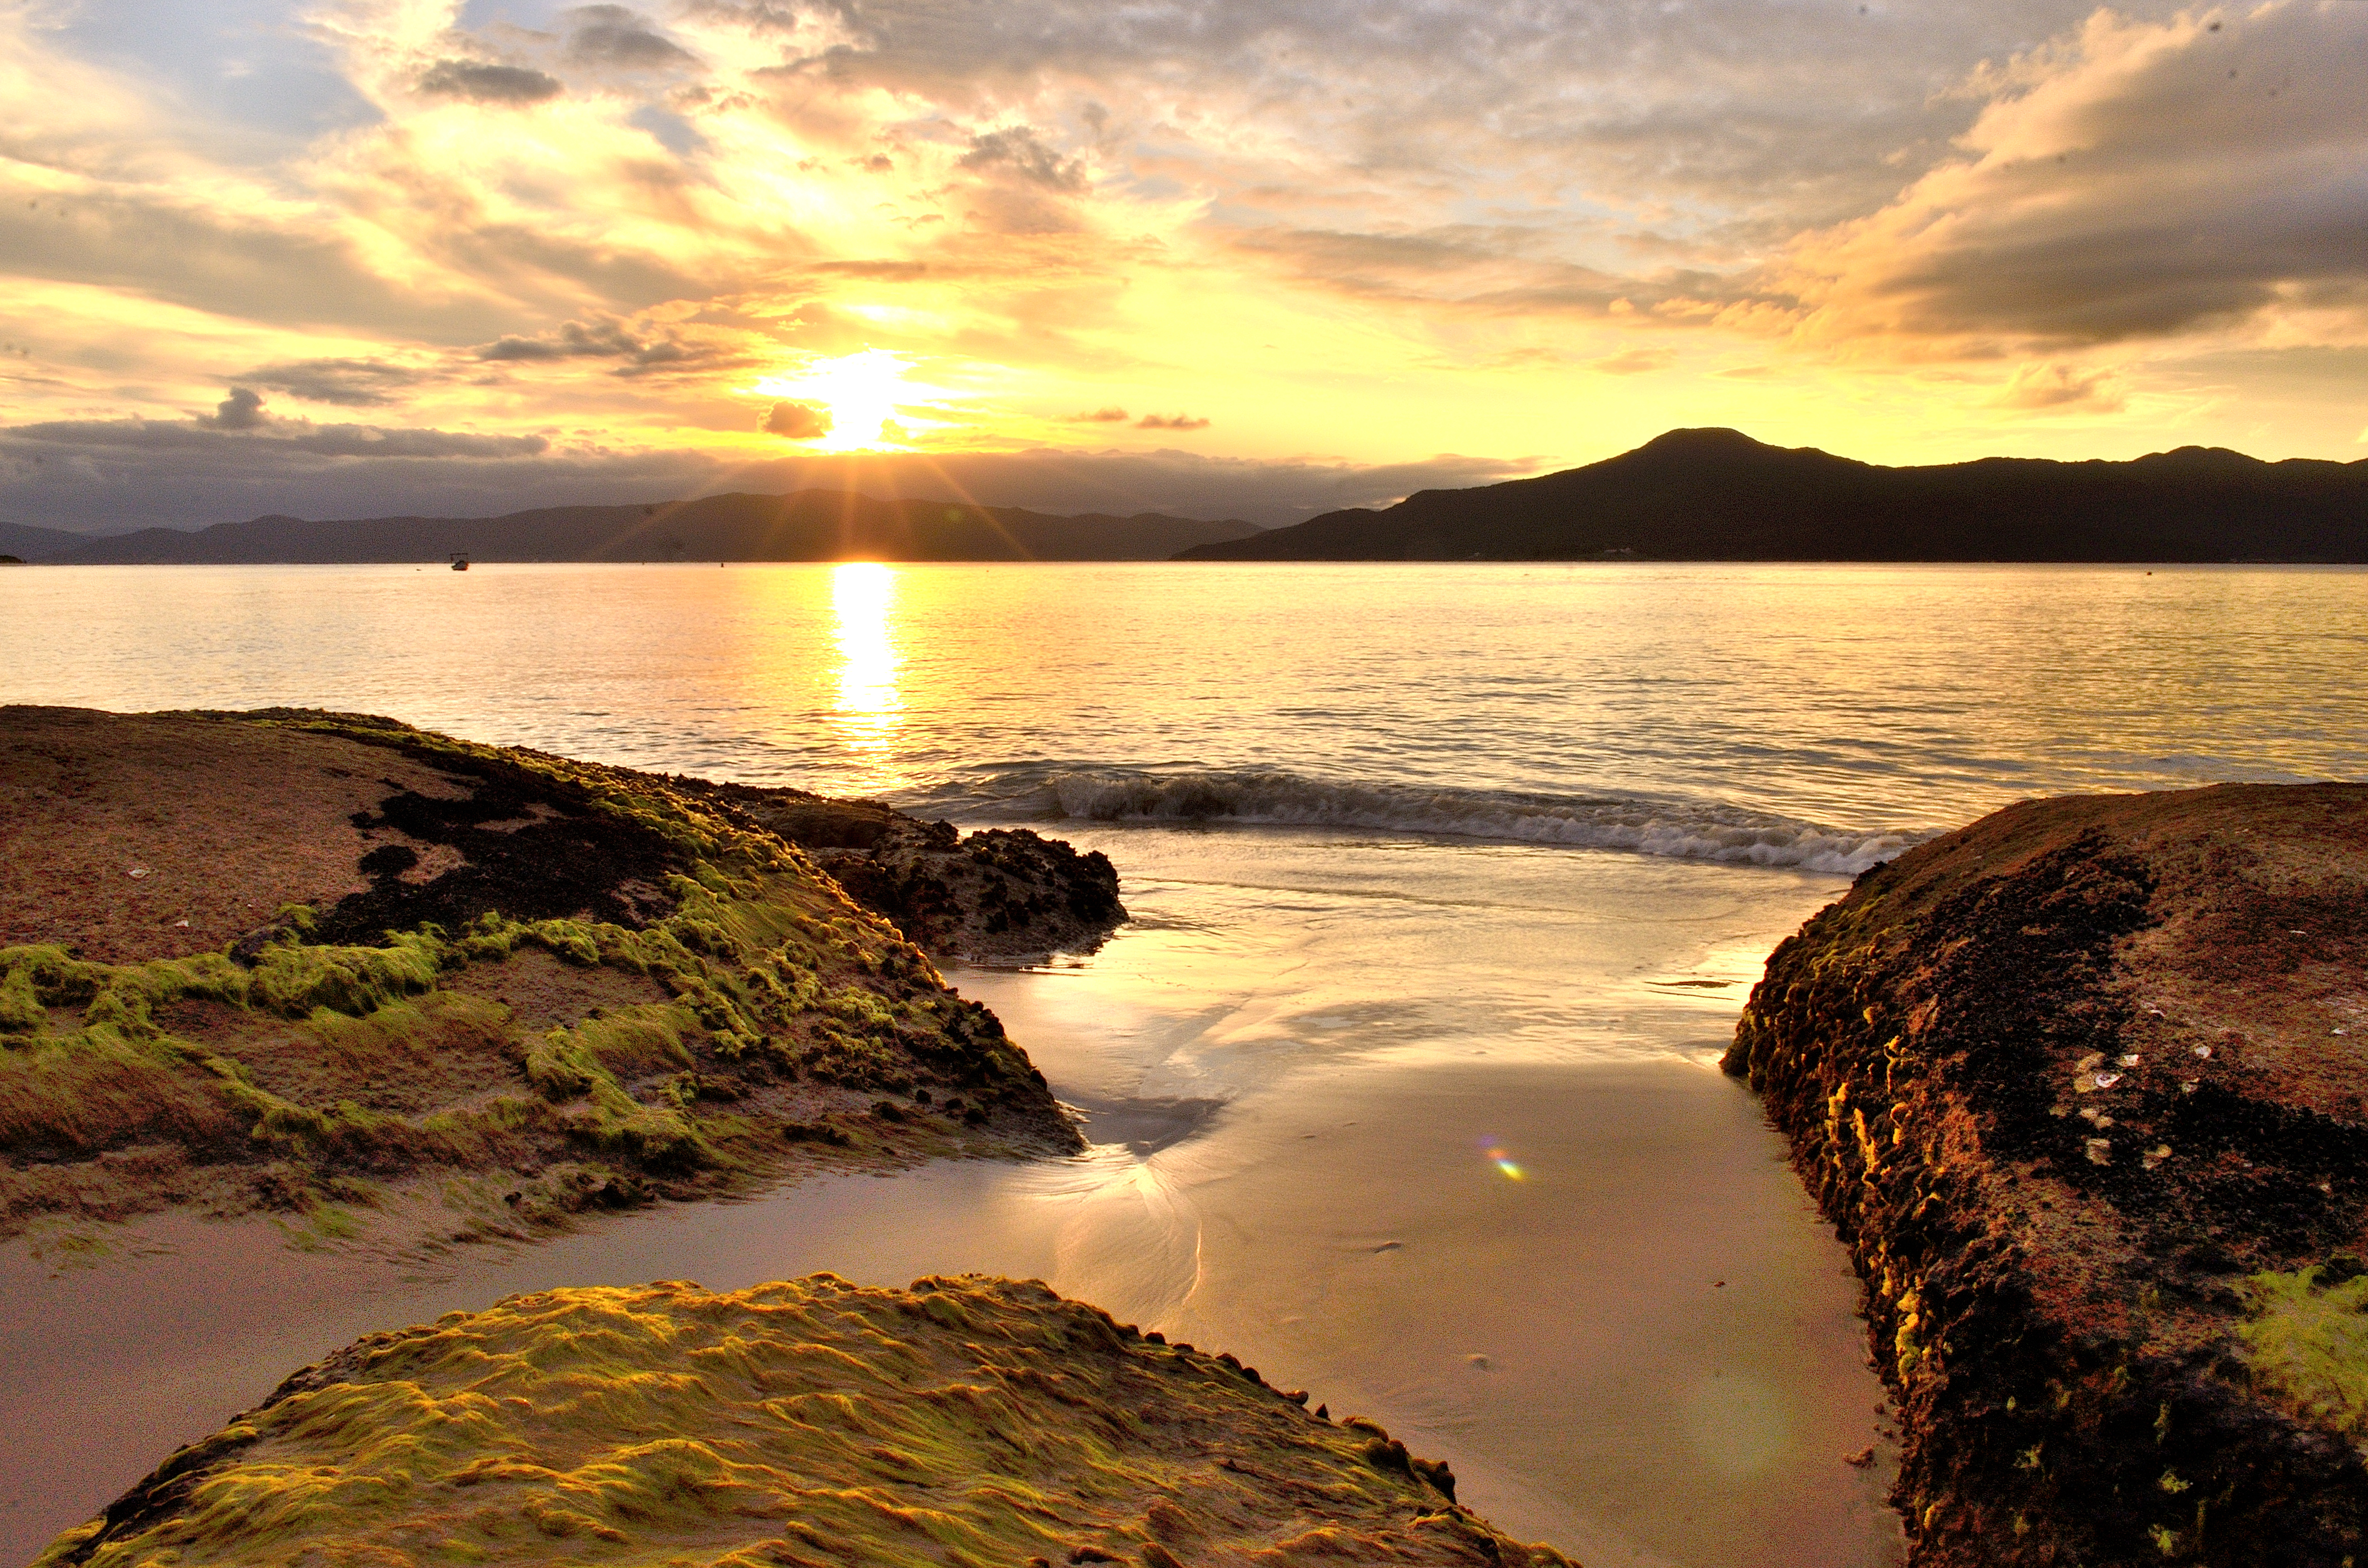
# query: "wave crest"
1689 830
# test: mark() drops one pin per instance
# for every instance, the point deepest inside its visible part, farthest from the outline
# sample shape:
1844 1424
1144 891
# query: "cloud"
2044 386
239 431
1634 361
798 421
1017 150
575 340
229 252
1496 269
620 39
1041 199
242 410
1113 415
112 475
656 354
1023 186
2137 180
1169 422
482 83
354 383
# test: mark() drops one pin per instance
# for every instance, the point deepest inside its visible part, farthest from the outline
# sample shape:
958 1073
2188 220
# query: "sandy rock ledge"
2084 1087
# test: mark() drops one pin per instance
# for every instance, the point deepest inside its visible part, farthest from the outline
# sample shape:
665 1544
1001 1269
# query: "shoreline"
2079 1085
516 984
1182 1006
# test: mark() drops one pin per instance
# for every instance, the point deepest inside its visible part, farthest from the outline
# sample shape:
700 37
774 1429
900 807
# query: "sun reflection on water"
870 707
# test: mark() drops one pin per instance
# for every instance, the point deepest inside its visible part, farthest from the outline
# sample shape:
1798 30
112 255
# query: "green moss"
808 1423
2307 1345
305 1063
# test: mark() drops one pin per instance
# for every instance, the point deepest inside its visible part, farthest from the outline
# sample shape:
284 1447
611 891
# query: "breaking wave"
1689 830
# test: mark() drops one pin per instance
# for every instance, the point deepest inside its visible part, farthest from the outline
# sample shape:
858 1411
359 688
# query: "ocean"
1447 883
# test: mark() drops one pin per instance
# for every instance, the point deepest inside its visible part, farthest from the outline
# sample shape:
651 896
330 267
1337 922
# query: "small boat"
460 561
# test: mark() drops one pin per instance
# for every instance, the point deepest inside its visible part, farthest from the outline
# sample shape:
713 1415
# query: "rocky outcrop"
999 894
2084 1087
811 1423
300 962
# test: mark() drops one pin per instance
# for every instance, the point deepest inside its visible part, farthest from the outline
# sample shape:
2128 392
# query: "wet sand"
1302 1068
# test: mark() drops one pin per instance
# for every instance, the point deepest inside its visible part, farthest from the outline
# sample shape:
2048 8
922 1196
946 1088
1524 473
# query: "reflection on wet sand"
1470 1172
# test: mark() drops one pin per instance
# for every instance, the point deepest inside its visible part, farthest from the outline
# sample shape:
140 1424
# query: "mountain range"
1702 495
1714 495
809 525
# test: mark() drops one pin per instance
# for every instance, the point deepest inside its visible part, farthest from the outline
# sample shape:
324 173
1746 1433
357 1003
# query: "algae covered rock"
996 894
2084 1087
807 1424
313 961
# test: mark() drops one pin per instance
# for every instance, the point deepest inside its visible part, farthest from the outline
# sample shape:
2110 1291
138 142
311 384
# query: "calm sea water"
1447 883
1780 714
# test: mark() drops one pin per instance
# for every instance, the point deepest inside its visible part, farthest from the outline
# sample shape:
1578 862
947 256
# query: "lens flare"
1505 1163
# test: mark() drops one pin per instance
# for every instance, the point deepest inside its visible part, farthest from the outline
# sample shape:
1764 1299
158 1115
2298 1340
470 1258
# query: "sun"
861 391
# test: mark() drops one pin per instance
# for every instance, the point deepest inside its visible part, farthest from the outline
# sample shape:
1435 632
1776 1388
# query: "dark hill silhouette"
1720 495
810 525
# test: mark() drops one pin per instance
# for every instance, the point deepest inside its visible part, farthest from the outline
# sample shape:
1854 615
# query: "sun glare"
862 392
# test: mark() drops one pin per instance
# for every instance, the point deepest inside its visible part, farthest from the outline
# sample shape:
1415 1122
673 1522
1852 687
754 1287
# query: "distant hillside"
1720 495
811 525
28 543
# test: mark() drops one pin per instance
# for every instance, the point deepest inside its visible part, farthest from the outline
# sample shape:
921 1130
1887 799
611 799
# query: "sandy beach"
1641 1350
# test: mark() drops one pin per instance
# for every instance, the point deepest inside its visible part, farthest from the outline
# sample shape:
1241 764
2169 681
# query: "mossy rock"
2084 1089
402 959
811 1423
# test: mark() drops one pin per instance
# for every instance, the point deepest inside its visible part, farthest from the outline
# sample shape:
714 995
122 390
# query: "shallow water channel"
1432 1130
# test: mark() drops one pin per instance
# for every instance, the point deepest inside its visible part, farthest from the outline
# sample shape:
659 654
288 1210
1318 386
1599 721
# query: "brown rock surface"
144 836
2081 1085
359 961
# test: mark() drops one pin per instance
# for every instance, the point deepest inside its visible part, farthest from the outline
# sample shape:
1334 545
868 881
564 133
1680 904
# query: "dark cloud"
1169 422
239 431
2143 181
242 410
1715 126
1113 415
1023 186
756 16
1017 150
617 39
798 421
114 474
352 383
575 340
643 356
484 84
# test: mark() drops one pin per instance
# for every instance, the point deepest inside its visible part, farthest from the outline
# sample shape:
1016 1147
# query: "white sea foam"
1687 829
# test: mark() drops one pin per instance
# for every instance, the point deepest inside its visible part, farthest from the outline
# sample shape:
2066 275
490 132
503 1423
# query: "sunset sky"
360 256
